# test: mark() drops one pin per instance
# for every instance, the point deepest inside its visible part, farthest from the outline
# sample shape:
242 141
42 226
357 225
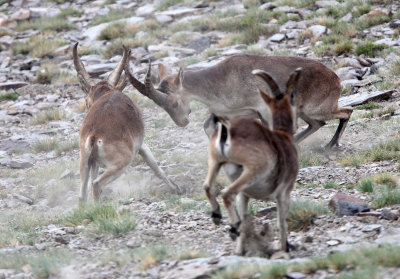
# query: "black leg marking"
234 231
216 217
289 247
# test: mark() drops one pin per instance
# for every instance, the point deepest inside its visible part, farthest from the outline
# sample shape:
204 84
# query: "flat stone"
295 275
371 228
145 10
23 199
388 214
318 30
347 18
267 6
344 204
164 18
333 242
395 23
20 164
12 85
387 41
277 38
99 69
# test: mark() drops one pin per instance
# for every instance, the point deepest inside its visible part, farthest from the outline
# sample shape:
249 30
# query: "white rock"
277 38
318 30
145 10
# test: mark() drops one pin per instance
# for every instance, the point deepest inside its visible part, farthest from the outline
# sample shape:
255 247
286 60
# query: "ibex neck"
202 85
283 122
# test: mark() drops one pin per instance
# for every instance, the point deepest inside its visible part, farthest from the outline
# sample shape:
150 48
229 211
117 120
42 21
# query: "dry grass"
48 115
37 46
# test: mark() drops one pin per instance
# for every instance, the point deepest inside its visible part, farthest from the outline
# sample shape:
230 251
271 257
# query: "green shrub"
302 212
12 96
368 48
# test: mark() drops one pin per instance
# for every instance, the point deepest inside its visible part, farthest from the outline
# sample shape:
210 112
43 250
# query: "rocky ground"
151 232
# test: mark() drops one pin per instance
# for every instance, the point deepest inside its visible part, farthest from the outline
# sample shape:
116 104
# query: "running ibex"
229 89
268 158
112 132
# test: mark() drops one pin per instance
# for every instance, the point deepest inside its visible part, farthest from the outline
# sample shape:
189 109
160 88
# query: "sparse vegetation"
50 73
47 115
309 159
103 218
12 96
368 48
385 151
369 105
302 212
50 144
37 46
56 23
113 14
331 185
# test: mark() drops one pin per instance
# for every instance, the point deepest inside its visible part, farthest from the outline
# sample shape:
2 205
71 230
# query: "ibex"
229 89
112 132
268 158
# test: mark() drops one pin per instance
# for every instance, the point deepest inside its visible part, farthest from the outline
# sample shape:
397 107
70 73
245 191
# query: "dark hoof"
234 231
289 247
216 217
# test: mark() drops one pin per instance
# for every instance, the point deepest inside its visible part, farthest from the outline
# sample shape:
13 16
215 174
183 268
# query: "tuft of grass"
178 203
50 74
304 35
385 197
310 159
395 68
302 212
165 4
56 23
21 227
343 47
369 105
189 254
384 151
365 185
368 21
114 48
331 185
45 145
111 15
368 48
151 255
387 179
119 30
12 96
43 265
37 46
47 115
103 218
66 146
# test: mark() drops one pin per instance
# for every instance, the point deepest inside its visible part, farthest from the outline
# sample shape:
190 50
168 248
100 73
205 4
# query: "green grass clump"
366 186
310 159
44 265
113 14
165 4
119 30
50 74
369 21
56 23
369 105
47 115
368 48
103 218
395 68
12 96
37 46
331 185
343 47
385 151
302 213
385 197
45 145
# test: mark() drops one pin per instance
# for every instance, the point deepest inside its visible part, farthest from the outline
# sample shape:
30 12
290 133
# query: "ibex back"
112 132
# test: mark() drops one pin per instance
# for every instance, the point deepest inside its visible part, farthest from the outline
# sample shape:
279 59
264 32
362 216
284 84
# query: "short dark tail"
93 152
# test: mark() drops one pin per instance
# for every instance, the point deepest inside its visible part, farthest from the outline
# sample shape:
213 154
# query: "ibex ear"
270 81
122 83
291 86
162 71
265 96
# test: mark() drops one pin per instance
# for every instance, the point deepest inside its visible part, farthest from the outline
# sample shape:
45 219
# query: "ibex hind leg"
211 191
313 126
148 157
107 177
84 175
344 116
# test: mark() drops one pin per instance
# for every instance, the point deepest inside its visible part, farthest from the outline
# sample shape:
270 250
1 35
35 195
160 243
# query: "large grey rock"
20 164
344 204
179 12
99 69
200 44
277 38
164 18
318 30
395 23
145 10
387 41
365 97
347 18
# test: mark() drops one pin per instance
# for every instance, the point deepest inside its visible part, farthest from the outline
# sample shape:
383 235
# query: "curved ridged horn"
83 76
147 89
115 75
269 80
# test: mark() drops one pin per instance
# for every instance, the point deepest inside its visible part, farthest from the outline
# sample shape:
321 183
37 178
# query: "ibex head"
96 90
167 95
283 104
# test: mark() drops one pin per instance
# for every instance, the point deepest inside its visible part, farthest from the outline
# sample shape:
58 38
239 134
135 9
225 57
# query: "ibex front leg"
229 195
209 188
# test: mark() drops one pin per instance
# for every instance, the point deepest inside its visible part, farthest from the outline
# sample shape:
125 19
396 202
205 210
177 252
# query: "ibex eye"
175 105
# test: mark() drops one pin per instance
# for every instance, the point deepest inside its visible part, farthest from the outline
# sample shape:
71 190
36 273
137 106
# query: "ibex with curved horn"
229 89
268 158
112 132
